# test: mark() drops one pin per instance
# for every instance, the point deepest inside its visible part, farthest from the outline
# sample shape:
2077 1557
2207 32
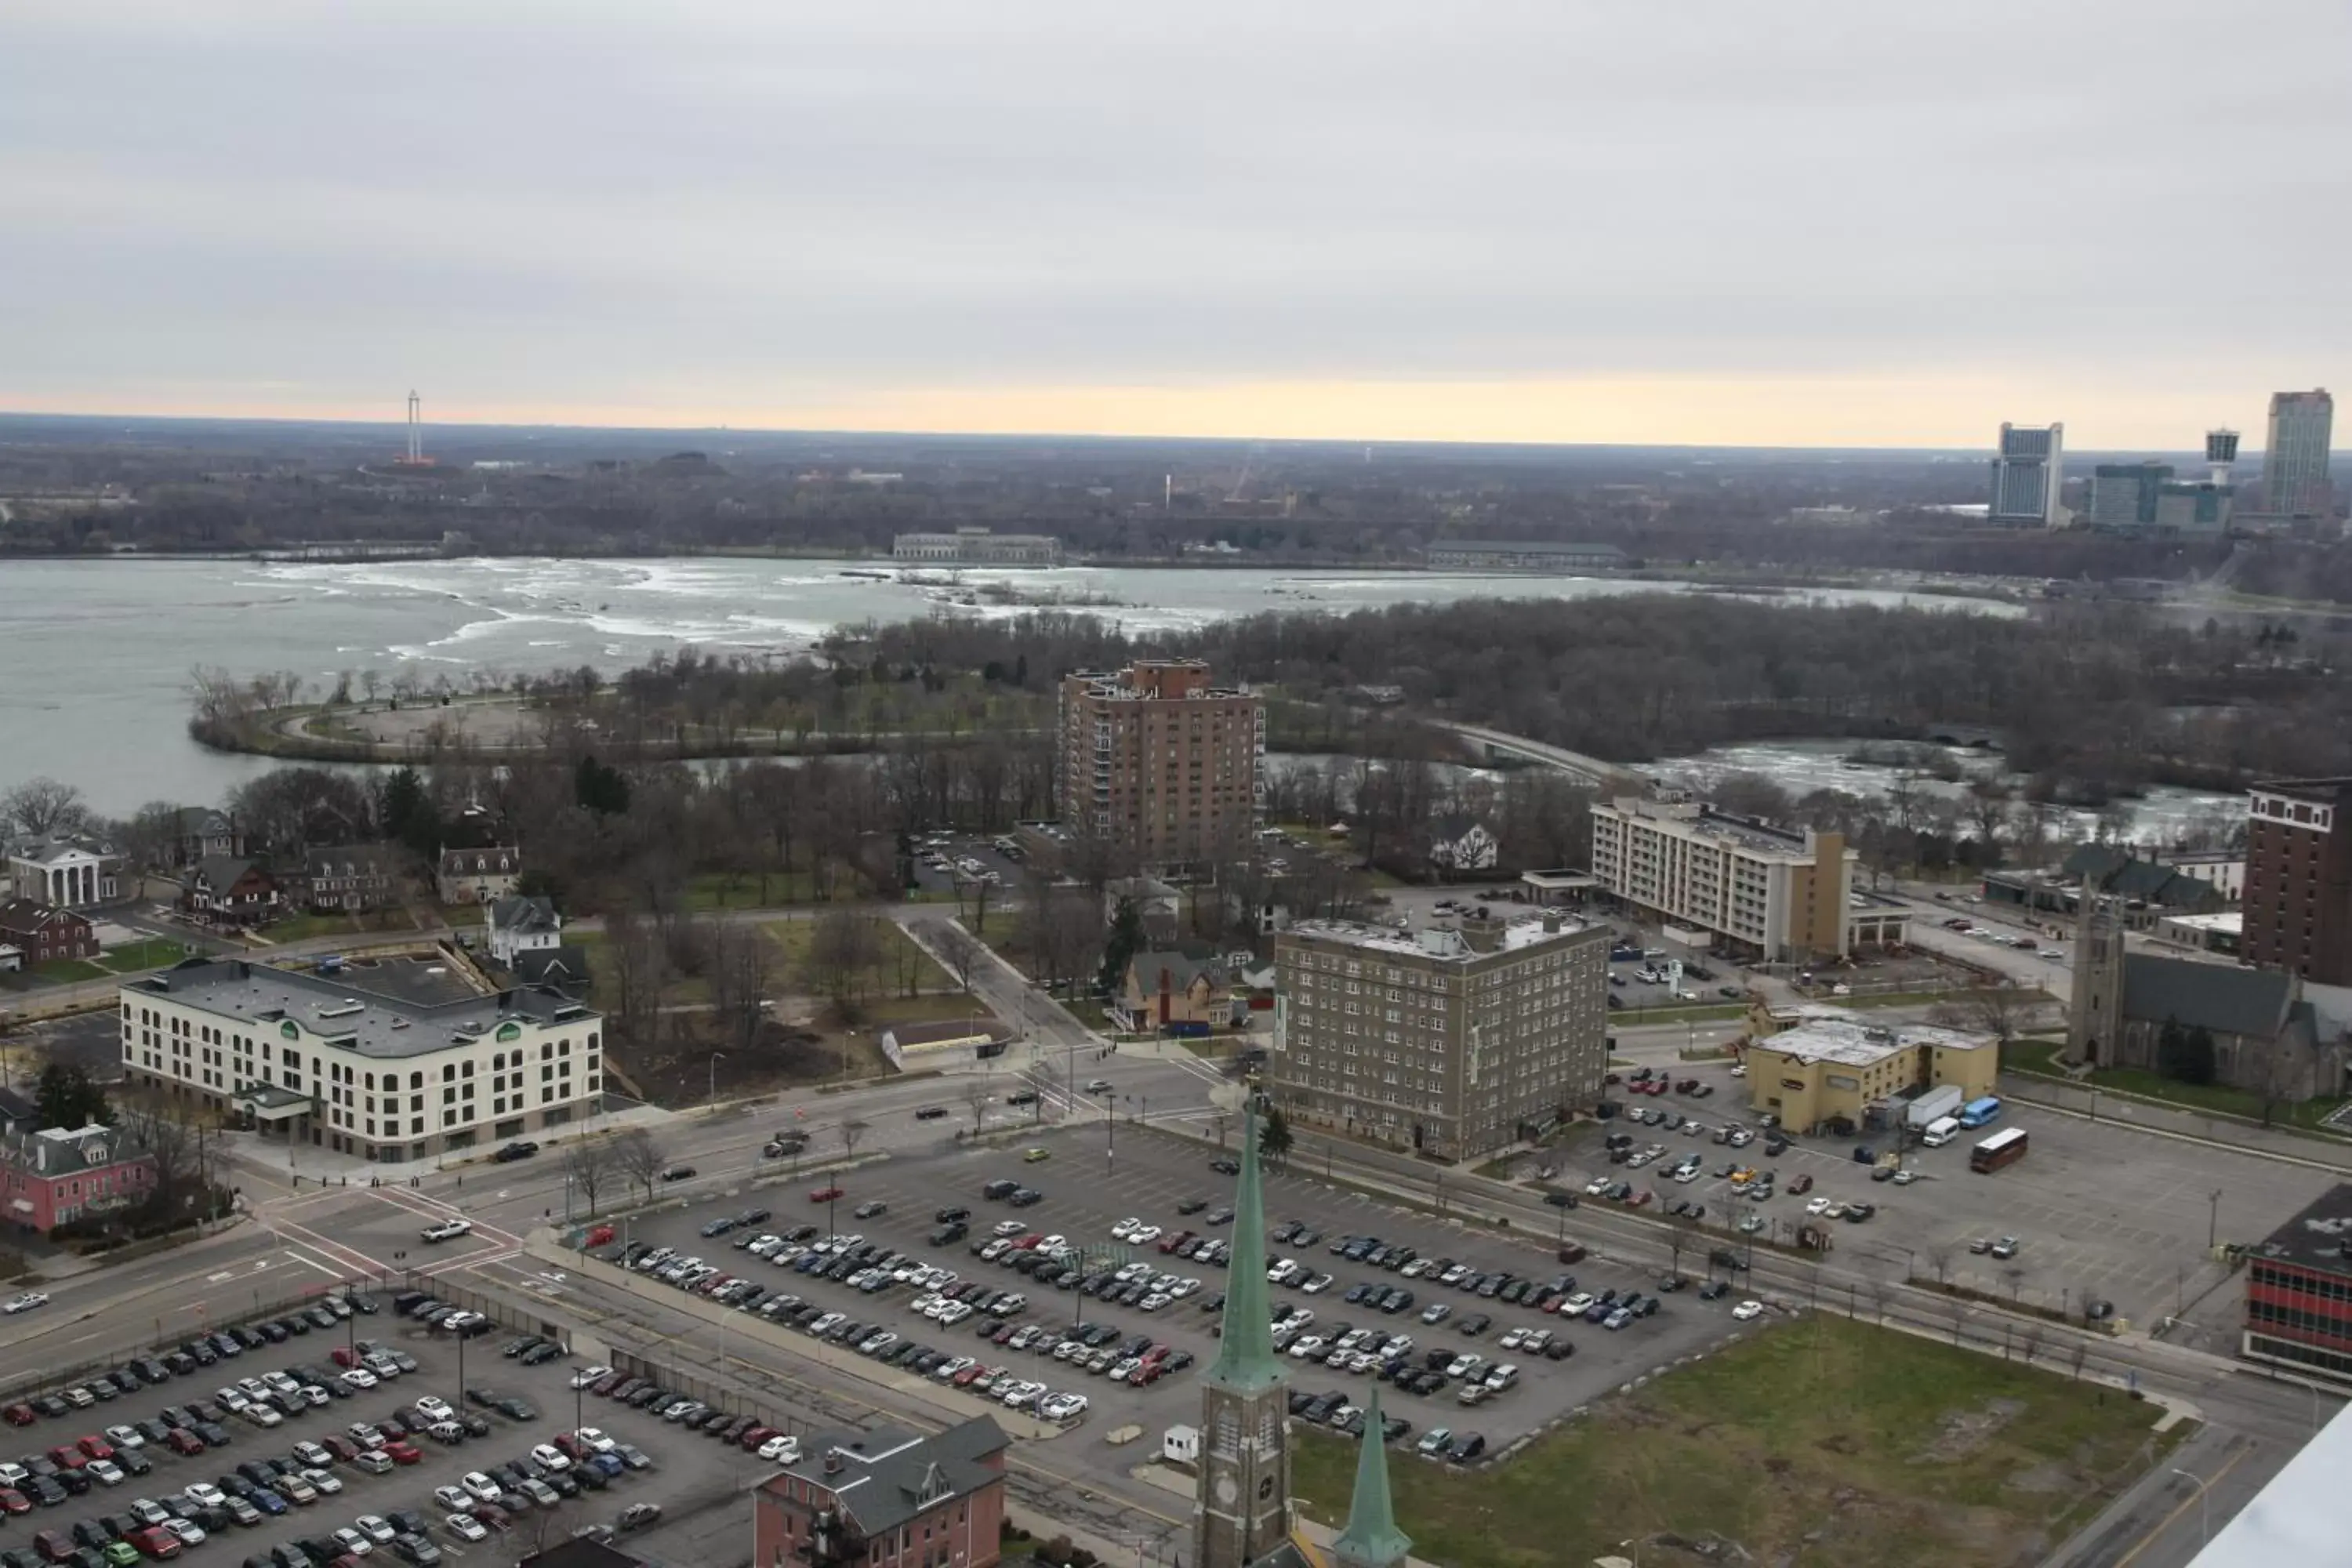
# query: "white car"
1748 1310
106 1472
1062 1407
1125 1229
581 1379
327 1482
352 1542
358 1377
1005 1229
1817 1206
376 1528
262 1416
594 1441
203 1494
550 1456
436 1408
1143 1232
481 1486
448 1230
455 1498
125 1437
466 1527
25 1302
783 1450
190 1532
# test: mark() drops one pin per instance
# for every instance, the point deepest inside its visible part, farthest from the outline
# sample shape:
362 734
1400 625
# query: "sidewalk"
2267 1143
324 1167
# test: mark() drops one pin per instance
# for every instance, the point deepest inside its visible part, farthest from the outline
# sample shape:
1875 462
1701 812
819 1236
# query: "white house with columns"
64 874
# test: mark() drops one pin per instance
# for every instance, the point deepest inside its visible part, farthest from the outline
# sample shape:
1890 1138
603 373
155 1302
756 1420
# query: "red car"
14 1501
346 1357
340 1446
18 1414
1170 1243
825 1194
599 1236
750 1440
568 1445
492 1515
404 1452
98 1448
155 1542
184 1442
68 1457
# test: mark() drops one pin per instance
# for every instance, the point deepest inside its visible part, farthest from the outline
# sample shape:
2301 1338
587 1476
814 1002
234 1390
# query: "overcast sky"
1810 221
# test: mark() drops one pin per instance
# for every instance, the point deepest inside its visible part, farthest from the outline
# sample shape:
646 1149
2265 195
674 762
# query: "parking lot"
942 860
1172 1300
284 1478
2102 1210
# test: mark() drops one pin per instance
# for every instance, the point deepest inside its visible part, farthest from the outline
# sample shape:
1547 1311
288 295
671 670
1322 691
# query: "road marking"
216 1279
2166 1522
314 1263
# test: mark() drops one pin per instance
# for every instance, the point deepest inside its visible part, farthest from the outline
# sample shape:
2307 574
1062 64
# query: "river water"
97 652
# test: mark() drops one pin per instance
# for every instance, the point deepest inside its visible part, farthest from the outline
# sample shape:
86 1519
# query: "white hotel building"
313 1059
1768 893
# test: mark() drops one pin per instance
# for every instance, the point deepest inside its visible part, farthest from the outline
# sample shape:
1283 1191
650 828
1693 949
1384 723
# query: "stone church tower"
1243 1513
2094 1024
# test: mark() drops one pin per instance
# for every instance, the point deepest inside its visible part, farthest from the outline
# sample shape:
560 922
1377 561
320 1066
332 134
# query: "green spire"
1246 1361
1372 1539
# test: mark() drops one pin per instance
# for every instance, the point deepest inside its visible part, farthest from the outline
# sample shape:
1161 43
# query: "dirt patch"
2041 1478
1960 1433
784 1056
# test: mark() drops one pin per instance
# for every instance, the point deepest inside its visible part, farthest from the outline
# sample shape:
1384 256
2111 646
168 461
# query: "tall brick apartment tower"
2298 897
1159 766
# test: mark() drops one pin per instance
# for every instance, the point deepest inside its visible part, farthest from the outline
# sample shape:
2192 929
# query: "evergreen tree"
2172 1047
600 787
1274 1138
1126 940
68 1097
2196 1057
409 815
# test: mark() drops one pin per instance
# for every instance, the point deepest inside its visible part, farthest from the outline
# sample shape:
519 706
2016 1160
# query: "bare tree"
2029 1341
640 969
2000 1011
2082 1352
370 682
976 1095
739 960
842 950
960 951
849 1132
589 1165
41 807
1939 1258
639 1159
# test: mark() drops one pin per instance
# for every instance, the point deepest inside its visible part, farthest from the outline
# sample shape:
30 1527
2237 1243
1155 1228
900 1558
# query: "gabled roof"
351 860
558 966
193 820
525 916
888 1476
222 872
502 860
1183 970
1453 827
2219 997
32 915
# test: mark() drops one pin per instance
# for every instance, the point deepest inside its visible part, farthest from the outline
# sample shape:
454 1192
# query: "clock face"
1226 1490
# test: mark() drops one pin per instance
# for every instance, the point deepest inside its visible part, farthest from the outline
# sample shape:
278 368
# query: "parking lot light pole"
716 1057
2213 1219
2204 1506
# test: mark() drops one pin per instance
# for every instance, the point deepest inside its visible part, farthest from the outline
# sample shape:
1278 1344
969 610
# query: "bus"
1977 1112
2003 1148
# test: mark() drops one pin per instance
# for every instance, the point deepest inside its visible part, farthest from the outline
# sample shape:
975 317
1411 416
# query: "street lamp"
716 1057
2213 1218
2204 1507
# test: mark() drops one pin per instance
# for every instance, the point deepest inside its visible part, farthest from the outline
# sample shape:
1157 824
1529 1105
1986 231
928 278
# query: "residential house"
55 1177
43 933
19 1112
1169 989
519 925
479 876
1159 904
2143 891
228 891
351 879
1459 843
202 833
12 958
69 873
886 1498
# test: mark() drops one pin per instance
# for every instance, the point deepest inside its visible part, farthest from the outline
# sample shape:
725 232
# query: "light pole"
2213 1218
2204 1507
716 1057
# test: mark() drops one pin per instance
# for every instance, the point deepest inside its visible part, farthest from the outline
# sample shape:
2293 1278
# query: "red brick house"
886 1499
56 1175
43 932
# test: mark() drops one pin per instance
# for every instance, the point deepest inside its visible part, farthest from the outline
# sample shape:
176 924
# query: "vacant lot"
1823 1443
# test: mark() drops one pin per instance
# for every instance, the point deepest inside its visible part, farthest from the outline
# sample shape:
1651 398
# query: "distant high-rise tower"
2294 455
2221 455
2028 476
415 431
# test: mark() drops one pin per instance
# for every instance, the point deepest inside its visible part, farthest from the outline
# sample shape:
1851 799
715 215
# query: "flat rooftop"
1702 821
343 1009
2315 1237
1849 1042
1445 943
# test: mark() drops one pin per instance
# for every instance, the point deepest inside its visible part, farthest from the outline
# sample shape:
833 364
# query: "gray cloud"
584 204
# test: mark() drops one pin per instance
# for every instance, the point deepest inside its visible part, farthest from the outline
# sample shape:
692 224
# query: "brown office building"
1159 765
1448 1042
2299 897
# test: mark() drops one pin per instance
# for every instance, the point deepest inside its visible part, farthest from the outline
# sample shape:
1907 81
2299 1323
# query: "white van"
1940 1132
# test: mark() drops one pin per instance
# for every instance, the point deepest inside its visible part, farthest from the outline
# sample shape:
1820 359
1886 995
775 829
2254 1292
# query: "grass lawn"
153 952
377 923
898 958
1700 1014
2038 1059
748 890
1824 1442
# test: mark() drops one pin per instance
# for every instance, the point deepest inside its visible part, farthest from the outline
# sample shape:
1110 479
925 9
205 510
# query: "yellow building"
1822 1068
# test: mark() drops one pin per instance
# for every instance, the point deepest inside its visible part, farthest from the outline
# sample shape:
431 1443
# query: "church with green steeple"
1242 1517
